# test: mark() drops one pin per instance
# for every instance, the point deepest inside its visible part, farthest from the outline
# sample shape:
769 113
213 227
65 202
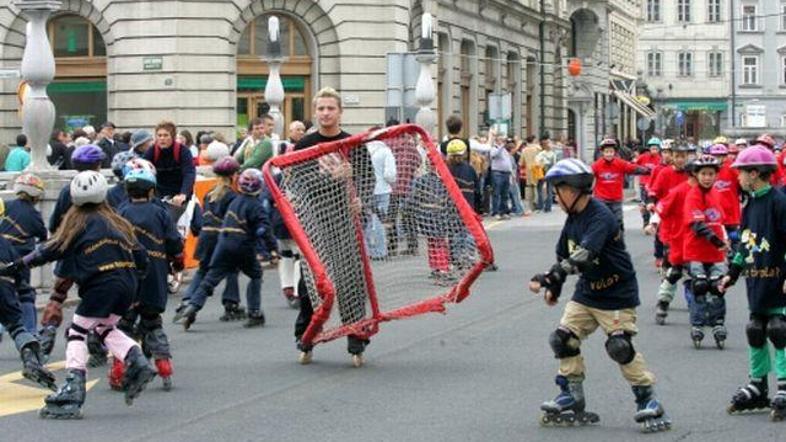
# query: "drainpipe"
733 57
542 35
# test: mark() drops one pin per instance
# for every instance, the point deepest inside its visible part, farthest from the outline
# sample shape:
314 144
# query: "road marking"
18 398
493 224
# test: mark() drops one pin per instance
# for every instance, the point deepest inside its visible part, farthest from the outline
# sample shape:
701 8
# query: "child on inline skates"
761 257
704 251
606 296
22 225
98 250
156 231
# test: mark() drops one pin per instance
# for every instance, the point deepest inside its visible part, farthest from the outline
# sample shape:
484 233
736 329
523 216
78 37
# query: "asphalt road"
478 373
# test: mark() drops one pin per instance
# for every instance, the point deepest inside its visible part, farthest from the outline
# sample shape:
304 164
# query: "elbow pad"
701 229
578 261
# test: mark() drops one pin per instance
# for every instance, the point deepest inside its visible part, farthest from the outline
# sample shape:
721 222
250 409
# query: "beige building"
200 63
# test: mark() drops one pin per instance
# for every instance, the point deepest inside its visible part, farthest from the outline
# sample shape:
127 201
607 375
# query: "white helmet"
741 142
88 187
216 150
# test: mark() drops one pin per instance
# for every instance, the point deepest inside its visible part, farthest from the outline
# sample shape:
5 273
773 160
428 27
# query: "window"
713 11
783 120
654 64
716 64
683 11
74 36
783 71
783 16
254 39
653 10
750 70
755 115
685 62
749 22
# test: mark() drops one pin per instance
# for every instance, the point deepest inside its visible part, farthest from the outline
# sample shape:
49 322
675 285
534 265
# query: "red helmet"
766 140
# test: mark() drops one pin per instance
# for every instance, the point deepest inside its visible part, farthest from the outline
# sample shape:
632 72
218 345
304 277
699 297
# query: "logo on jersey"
751 242
722 186
713 215
609 176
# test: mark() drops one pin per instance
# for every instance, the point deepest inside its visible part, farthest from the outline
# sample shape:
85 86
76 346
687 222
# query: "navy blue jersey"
467 181
10 309
22 225
280 230
609 282
246 225
61 207
117 196
212 218
156 231
762 249
102 263
174 175
428 201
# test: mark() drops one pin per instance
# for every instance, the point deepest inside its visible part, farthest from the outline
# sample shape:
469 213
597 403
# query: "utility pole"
542 35
732 55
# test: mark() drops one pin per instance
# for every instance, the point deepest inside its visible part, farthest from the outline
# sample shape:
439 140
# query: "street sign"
679 118
152 63
500 106
643 123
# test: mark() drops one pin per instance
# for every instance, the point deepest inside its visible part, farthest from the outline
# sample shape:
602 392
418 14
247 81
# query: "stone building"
602 101
684 58
201 63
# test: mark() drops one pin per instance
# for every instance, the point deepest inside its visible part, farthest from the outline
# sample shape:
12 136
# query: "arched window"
79 90
252 70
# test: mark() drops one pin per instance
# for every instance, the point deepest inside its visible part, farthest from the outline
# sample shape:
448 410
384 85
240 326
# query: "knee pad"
620 347
95 340
77 333
776 331
674 274
700 286
756 331
564 343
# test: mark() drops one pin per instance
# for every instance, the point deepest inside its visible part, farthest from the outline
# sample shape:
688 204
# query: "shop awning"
634 104
699 105
291 84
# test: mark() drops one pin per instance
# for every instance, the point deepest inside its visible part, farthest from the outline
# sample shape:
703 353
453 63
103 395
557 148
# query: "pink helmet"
766 140
718 150
757 156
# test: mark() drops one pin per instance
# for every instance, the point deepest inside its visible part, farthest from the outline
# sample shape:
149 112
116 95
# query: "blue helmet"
119 162
88 154
655 141
140 179
572 172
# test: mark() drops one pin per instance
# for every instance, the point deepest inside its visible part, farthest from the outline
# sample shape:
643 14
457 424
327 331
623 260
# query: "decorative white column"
38 70
424 89
274 89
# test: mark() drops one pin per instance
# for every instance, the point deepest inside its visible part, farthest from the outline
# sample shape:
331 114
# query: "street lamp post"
38 70
424 89
274 89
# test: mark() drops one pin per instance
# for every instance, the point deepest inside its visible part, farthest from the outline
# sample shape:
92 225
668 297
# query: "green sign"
153 63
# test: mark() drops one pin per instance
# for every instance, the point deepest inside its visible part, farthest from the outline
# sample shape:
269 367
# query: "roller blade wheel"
68 412
357 360
734 411
35 372
305 357
188 321
777 415
720 343
656 424
174 282
697 335
569 419
167 383
164 370
660 319
134 390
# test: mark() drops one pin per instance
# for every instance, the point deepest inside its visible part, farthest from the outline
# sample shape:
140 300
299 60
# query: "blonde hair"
75 220
223 187
328 92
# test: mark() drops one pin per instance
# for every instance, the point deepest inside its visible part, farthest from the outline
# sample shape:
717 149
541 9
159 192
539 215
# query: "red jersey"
649 161
728 189
670 209
610 177
702 205
654 175
667 179
777 178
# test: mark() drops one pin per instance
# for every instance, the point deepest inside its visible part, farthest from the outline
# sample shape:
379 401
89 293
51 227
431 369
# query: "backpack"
157 152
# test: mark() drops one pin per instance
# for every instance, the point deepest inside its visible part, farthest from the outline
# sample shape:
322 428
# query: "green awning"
75 87
291 84
699 105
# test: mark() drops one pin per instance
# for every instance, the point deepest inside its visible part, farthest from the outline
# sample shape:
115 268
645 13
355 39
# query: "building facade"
202 64
760 76
602 101
685 60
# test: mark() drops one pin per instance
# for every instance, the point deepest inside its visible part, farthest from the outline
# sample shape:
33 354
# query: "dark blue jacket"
22 225
61 207
10 309
247 226
156 231
102 263
117 195
213 217
467 181
174 177
280 230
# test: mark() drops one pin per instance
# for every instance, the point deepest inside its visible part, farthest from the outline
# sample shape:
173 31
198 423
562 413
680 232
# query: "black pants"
355 345
396 211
